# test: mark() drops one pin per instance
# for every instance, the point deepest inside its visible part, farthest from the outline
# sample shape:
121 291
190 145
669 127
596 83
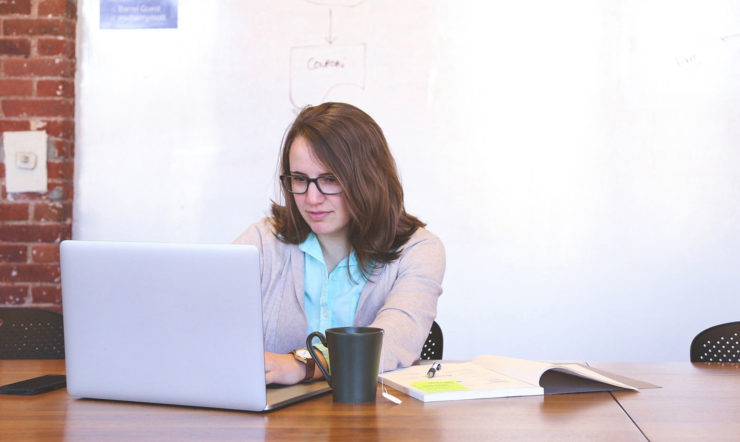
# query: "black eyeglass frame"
308 181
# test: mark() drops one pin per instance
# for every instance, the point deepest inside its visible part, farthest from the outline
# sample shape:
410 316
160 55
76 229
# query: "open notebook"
490 376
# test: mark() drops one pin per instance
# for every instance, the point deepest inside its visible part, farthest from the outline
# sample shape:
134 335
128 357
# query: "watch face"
303 353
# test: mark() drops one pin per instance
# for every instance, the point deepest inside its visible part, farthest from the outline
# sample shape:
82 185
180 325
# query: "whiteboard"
578 159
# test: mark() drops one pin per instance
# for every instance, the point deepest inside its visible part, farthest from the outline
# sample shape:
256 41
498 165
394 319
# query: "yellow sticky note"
439 386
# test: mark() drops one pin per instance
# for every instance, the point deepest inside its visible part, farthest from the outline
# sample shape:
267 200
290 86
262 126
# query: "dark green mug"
354 356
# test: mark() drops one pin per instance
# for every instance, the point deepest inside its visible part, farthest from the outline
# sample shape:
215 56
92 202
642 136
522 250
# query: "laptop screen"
164 323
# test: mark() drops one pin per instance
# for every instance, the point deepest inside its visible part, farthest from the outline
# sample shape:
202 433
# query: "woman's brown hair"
352 146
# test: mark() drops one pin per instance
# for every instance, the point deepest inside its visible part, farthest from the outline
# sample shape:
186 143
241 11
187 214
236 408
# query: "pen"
436 366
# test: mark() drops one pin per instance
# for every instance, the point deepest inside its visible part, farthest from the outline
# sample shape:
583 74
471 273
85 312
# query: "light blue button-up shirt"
330 299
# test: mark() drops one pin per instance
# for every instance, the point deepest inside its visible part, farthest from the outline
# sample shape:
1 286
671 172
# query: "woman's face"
327 215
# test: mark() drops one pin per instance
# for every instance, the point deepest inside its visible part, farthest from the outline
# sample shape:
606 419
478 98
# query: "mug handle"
310 349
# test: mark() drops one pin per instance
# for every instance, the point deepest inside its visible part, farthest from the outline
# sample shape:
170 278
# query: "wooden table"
697 401
694 397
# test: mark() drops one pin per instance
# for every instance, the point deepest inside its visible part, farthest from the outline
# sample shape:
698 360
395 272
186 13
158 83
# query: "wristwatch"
302 355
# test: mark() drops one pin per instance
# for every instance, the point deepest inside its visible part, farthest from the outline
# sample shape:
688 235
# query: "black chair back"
434 344
29 333
720 343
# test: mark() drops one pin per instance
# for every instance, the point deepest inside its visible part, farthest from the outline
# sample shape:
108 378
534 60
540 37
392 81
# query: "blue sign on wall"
138 14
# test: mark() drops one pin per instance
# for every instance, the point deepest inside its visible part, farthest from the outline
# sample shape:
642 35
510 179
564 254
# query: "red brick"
56 46
15 7
60 170
39 67
65 8
48 211
14 125
38 26
58 190
49 107
35 233
15 46
52 211
45 253
15 273
13 253
60 128
13 294
16 88
13 211
55 88
47 294
63 149
65 190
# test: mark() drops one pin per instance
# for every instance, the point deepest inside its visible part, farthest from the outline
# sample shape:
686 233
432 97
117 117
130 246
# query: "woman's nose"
313 195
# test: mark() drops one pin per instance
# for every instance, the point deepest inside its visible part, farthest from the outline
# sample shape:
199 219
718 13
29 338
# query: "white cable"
386 395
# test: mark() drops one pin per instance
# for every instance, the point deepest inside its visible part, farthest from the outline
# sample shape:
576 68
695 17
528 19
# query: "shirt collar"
311 246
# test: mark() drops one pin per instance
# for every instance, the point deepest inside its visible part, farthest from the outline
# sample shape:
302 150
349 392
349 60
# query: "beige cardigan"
401 297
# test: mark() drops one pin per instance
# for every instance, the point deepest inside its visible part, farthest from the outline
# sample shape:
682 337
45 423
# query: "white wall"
578 158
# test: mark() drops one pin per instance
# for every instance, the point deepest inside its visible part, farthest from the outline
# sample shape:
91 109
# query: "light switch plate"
25 161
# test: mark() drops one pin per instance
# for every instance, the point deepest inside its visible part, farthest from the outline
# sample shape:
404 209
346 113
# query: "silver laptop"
176 324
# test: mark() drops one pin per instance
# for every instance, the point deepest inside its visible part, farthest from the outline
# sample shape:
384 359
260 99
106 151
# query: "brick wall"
37 67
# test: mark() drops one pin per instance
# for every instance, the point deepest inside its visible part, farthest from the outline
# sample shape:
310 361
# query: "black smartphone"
37 385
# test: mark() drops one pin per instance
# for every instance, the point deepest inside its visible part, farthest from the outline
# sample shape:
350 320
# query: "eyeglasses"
327 184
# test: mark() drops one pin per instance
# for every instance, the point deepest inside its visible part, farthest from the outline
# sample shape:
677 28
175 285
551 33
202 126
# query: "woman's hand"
283 369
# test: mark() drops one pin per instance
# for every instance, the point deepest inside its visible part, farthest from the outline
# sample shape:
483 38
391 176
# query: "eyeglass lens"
328 185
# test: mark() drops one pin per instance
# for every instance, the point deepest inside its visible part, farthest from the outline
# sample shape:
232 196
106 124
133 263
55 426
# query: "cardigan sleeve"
409 292
254 236
281 283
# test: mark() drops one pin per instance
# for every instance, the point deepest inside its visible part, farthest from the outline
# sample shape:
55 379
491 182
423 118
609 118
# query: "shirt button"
326 314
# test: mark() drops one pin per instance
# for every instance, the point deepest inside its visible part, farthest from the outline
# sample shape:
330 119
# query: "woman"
342 251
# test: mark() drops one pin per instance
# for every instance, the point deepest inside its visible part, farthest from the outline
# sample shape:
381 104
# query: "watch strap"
309 362
310 368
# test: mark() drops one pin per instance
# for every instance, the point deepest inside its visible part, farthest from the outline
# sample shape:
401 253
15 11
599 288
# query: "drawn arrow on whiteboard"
331 38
